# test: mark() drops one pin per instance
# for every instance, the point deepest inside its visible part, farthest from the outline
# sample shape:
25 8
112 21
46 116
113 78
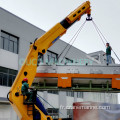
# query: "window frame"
53 92
68 59
9 40
8 74
80 95
70 93
49 56
54 115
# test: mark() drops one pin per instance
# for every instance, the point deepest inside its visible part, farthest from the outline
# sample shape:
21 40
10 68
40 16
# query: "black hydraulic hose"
8 98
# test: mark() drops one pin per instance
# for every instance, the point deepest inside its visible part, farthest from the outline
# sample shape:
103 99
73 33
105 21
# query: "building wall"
4 91
73 54
25 31
101 97
8 59
99 55
7 112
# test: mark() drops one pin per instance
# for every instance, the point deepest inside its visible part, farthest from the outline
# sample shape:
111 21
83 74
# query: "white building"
15 37
99 55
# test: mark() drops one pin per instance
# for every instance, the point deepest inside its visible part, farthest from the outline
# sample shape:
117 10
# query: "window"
67 60
71 94
54 112
7 76
79 94
53 92
9 42
0 78
40 59
96 57
69 113
52 57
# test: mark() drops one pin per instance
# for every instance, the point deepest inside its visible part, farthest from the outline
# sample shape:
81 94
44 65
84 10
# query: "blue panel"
40 106
55 39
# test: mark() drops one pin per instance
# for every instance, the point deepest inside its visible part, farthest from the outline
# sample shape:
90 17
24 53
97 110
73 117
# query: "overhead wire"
49 104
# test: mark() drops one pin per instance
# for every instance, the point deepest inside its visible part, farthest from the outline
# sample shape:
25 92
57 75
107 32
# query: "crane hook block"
89 18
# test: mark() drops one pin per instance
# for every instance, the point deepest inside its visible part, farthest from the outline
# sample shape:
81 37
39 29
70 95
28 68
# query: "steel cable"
74 37
70 41
103 37
49 103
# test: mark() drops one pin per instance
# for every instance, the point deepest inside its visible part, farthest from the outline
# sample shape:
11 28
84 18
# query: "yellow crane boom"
29 67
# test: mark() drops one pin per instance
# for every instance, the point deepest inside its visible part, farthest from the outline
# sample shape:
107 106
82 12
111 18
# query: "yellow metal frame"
29 67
